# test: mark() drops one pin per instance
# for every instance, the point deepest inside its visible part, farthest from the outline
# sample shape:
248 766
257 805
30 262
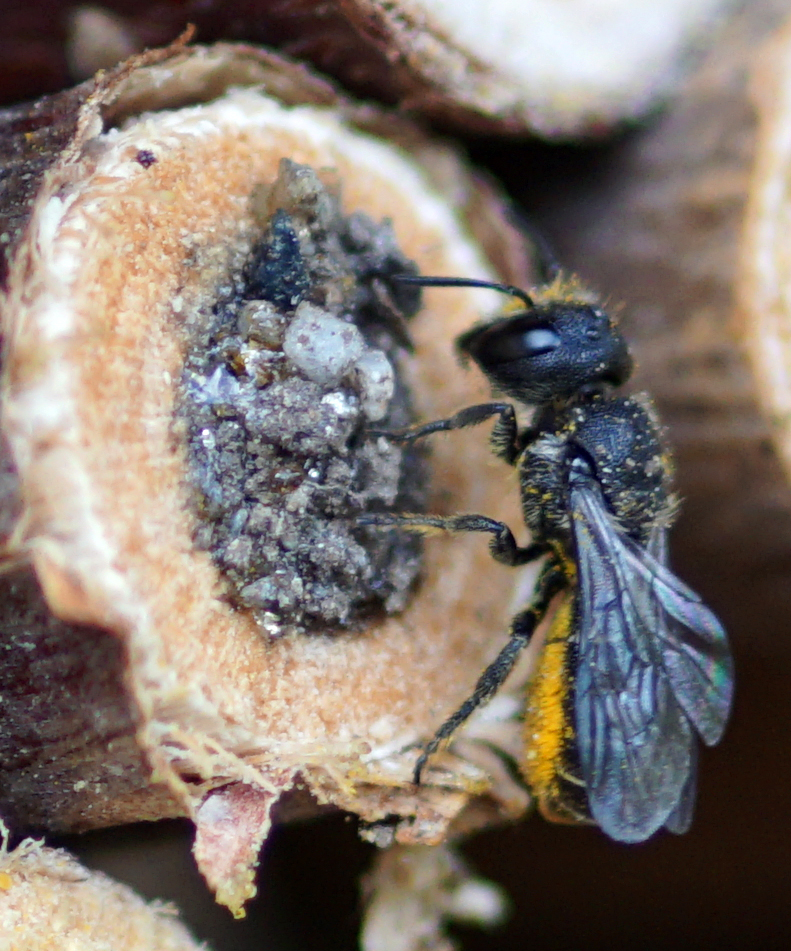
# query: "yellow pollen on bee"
547 730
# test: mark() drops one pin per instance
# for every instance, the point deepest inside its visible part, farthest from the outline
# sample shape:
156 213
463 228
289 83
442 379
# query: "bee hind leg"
550 583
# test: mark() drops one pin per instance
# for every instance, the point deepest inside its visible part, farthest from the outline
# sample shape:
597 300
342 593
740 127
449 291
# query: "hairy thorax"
621 439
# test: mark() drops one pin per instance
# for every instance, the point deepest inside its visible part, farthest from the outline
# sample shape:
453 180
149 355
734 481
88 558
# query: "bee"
634 664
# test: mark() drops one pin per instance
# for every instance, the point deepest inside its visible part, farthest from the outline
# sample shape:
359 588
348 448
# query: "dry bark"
576 68
48 900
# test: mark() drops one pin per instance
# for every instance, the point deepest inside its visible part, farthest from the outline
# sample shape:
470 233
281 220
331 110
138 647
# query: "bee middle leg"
502 546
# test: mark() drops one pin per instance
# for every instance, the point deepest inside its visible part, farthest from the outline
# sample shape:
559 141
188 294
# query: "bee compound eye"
539 340
516 343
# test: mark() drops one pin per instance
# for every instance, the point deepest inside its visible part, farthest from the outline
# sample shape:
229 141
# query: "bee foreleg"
505 436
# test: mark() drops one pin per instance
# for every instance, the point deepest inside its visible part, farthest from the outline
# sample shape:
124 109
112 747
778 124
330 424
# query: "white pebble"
323 347
374 381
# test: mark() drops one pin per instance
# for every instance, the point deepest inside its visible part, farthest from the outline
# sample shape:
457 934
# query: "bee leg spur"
551 582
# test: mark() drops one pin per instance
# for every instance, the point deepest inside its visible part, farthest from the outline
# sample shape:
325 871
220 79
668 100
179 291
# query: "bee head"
544 351
549 351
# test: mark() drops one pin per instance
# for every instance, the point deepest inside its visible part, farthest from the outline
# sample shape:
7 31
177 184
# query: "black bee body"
634 664
621 438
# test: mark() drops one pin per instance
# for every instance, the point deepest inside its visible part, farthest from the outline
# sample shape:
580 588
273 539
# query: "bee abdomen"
550 763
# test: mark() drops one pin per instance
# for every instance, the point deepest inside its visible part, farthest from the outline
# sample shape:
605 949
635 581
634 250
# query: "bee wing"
695 650
652 661
680 819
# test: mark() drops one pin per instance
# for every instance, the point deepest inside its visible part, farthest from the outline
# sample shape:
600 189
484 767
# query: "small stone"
259 594
321 346
220 388
260 320
374 380
238 553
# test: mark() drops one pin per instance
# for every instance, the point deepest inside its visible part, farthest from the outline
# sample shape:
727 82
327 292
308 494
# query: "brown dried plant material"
413 892
505 66
48 901
124 654
766 259
557 69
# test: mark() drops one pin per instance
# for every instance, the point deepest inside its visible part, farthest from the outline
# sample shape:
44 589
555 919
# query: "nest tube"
139 239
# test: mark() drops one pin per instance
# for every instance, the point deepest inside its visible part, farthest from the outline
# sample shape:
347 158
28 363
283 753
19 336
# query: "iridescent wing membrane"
653 667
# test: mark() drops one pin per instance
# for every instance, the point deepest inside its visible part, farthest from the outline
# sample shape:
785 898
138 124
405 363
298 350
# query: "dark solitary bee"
634 663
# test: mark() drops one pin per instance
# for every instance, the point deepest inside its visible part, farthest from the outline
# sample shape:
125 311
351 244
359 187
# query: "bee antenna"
464 282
